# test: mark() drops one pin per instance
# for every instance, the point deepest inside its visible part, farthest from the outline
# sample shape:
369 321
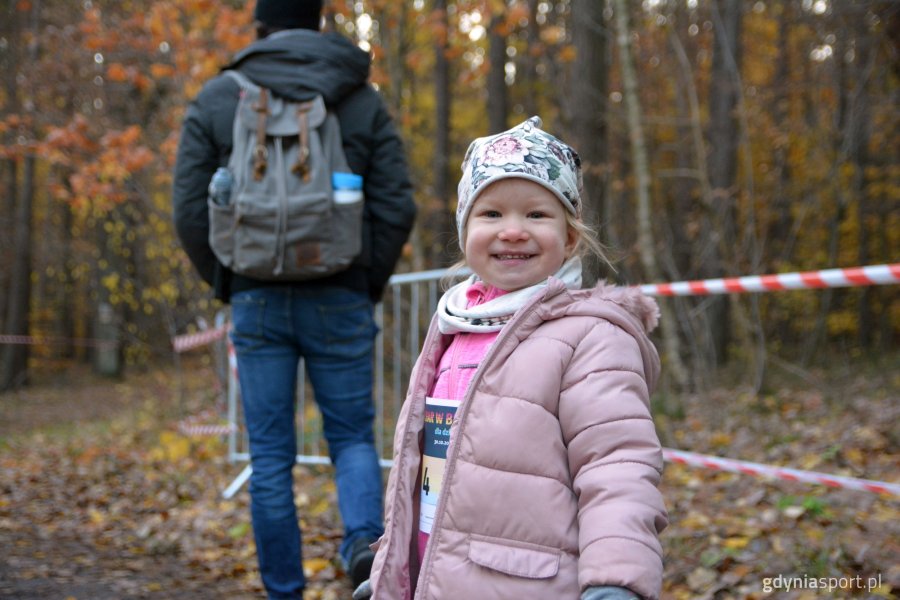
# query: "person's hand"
604 592
363 592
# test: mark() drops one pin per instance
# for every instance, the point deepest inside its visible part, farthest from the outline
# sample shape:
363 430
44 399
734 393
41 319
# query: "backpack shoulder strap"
241 79
261 108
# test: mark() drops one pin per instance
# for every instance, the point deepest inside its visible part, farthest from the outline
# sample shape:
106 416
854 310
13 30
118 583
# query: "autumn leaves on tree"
765 131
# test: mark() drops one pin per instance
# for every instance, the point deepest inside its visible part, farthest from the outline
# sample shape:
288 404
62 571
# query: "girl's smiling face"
517 234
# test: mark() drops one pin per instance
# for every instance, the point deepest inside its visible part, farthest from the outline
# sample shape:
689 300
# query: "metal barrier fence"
402 318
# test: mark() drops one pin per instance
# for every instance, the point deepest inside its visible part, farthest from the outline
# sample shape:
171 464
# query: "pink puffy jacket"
551 473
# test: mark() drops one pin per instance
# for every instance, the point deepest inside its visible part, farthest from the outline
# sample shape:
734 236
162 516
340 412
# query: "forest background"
719 138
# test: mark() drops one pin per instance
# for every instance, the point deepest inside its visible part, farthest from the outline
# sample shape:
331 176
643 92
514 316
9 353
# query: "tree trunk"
861 111
781 228
10 59
11 192
14 363
530 62
440 216
65 293
590 112
690 185
14 357
851 142
723 145
392 19
496 80
647 245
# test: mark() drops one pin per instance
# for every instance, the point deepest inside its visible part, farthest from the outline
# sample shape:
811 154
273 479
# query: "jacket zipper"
454 360
459 421
431 340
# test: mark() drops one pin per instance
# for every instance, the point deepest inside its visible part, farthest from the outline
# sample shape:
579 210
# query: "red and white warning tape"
786 474
851 277
191 426
232 360
199 429
181 343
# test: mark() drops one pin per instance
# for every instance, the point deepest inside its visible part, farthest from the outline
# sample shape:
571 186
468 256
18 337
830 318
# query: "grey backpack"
283 220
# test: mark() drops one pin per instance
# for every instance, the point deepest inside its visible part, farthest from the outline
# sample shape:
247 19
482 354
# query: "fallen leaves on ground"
132 508
732 536
125 506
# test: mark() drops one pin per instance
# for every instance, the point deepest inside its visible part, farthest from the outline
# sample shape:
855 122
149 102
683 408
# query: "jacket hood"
625 307
300 64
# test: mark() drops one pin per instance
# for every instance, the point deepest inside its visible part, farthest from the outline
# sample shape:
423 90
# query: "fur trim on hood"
634 301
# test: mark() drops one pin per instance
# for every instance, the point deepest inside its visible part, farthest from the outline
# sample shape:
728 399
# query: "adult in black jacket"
327 321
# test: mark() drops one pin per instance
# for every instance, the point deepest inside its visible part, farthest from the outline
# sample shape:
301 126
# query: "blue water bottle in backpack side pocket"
348 187
220 186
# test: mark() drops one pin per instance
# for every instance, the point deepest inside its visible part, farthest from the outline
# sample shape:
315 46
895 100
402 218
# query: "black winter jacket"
299 64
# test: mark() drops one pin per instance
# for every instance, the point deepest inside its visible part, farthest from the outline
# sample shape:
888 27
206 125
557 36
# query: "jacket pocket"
527 560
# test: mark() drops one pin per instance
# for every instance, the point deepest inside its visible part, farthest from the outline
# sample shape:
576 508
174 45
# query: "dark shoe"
361 558
363 591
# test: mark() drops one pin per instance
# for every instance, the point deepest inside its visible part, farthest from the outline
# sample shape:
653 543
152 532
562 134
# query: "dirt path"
101 499
63 567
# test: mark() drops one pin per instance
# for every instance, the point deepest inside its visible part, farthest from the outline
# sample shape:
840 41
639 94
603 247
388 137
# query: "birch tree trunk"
642 176
690 182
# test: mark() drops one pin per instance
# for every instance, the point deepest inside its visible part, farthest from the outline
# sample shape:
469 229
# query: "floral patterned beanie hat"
527 152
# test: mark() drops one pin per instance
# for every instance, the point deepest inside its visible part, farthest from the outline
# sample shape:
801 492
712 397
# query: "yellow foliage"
320 507
312 566
695 520
736 543
721 439
111 282
842 322
172 447
96 517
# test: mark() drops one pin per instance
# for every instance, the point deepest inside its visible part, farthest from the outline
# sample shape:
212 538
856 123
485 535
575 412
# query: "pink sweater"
461 360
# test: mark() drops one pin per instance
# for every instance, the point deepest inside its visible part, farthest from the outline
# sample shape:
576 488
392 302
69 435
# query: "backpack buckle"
260 161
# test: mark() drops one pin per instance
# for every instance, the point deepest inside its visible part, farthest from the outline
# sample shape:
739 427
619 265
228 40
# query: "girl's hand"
602 592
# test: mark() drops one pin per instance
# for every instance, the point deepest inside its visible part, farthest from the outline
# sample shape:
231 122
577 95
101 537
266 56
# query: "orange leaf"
161 71
117 72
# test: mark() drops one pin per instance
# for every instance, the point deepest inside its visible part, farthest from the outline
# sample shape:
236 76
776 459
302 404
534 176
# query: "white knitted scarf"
454 317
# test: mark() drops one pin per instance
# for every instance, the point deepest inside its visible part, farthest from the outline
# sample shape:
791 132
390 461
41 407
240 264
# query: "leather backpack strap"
301 167
260 154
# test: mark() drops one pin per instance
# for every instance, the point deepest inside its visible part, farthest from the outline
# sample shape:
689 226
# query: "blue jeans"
334 331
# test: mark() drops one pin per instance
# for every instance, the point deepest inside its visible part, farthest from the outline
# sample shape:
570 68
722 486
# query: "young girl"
525 458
